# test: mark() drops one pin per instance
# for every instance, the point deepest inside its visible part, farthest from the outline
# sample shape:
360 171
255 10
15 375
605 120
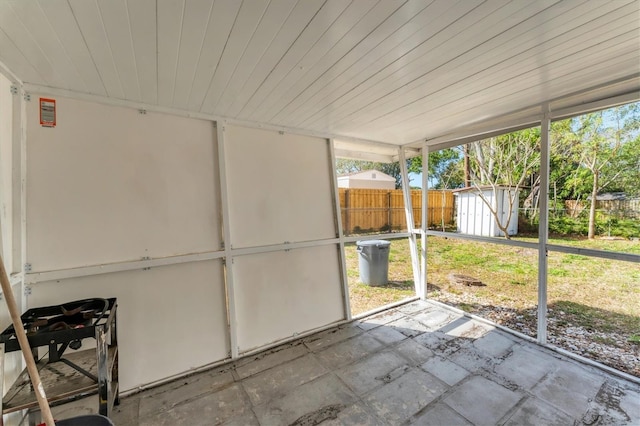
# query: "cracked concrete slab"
229 404
482 401
570 387
265 360
280 380
327 338
445 370
536 412
368 374
400 399
414 352
439 415
175 393
387 335
346 352
526 366
309 398
355 415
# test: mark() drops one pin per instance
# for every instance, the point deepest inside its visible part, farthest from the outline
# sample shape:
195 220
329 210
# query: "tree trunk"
467 169
592 210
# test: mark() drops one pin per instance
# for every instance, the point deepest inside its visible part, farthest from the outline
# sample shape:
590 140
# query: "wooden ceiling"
392 71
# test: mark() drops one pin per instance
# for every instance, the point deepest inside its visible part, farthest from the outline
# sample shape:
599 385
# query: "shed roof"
369 174
392 72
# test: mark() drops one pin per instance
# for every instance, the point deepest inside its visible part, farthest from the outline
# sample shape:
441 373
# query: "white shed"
474 216
368 179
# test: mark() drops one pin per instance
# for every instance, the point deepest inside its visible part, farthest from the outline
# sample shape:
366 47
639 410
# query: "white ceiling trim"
365 144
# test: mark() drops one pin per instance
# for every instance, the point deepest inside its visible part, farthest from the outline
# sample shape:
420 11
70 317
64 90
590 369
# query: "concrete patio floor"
415 364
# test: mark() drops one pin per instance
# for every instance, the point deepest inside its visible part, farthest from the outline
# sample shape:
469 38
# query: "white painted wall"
170 318
109 186
265 204
284 293
281 293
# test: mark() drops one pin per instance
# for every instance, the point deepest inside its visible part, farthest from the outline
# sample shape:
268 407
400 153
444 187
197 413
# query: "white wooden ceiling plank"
89 19
33 17
12 57
463 114
403 42
223 17
169 22
430 84
398 71
490 19
261 57
142 16
417 129
63 23
316 62
247 23
115 17
401 19
287 49
608 52
454 71
560 63
272 21
197 15
15 30
324 32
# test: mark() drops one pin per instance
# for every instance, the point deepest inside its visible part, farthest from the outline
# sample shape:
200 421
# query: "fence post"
347 212
390 225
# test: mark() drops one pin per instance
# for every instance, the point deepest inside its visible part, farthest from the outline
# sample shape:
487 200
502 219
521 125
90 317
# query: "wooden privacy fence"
628 208
371 210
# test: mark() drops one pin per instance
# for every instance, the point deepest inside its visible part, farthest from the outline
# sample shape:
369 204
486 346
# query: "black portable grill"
62 328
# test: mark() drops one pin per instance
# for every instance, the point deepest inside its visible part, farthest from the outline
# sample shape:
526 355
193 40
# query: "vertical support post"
340 231
232 323
424 221
104 385
543 226
16 183
408 210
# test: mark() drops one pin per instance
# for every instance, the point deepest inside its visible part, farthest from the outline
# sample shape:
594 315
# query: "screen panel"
279 186
110 184
286 292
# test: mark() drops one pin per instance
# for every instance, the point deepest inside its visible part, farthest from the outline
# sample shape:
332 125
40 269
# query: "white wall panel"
108 184
13 364
170 319
6 192
282 293
279 187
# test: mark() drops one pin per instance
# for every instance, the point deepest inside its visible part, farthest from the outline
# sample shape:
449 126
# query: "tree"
504 163
444 168
603 136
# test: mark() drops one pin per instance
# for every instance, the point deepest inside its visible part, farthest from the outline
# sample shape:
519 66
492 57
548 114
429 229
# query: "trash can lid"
377 243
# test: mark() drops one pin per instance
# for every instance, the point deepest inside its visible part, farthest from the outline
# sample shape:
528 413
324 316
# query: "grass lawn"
592 293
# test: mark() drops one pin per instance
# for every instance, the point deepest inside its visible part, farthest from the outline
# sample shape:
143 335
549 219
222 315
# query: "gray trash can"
373 260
